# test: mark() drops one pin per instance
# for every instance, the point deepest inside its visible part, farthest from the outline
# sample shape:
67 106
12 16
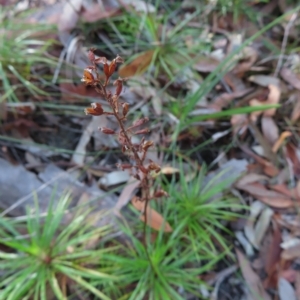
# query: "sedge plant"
52 257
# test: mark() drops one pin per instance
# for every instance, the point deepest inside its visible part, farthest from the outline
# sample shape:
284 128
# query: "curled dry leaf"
273 98
289 76
138 66
156 220
280 140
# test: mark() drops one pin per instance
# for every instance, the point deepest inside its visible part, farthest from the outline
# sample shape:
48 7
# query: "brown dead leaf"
289 76
250 56
156 220
250 178
224 99
273 98
206 64
270 255
269 197
296 110
137 203
291 153
291 252
251 278
239 124
138 66
280 140
96 12
269 129
297 285
264 80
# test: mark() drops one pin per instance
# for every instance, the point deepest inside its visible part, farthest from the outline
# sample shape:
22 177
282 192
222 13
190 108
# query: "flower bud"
160 193
106 70
91 55
95 109
101 60
88 77
125 109
112 68
142 131
140 122
154 167
107 130
119 84
124 166
146 145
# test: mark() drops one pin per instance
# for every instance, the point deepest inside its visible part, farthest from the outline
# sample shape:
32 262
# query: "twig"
284 42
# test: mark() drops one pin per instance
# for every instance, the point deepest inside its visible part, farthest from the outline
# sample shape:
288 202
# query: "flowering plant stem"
140 167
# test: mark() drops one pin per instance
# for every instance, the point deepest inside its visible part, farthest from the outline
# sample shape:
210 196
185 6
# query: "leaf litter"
262 147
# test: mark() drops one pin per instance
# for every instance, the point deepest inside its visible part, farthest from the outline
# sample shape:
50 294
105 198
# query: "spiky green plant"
52 256
167 270
21 48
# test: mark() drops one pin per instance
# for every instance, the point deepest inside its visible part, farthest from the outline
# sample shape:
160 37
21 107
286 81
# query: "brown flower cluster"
119 110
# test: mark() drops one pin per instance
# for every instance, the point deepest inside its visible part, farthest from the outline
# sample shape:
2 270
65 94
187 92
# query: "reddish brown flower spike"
95 109
107 130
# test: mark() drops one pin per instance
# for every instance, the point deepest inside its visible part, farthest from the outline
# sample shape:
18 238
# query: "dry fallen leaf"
252 280
156 220
273 98
239 124
269 129
138 66
291 252
289 76
292 153
280 140
296 110
285 290
271 198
